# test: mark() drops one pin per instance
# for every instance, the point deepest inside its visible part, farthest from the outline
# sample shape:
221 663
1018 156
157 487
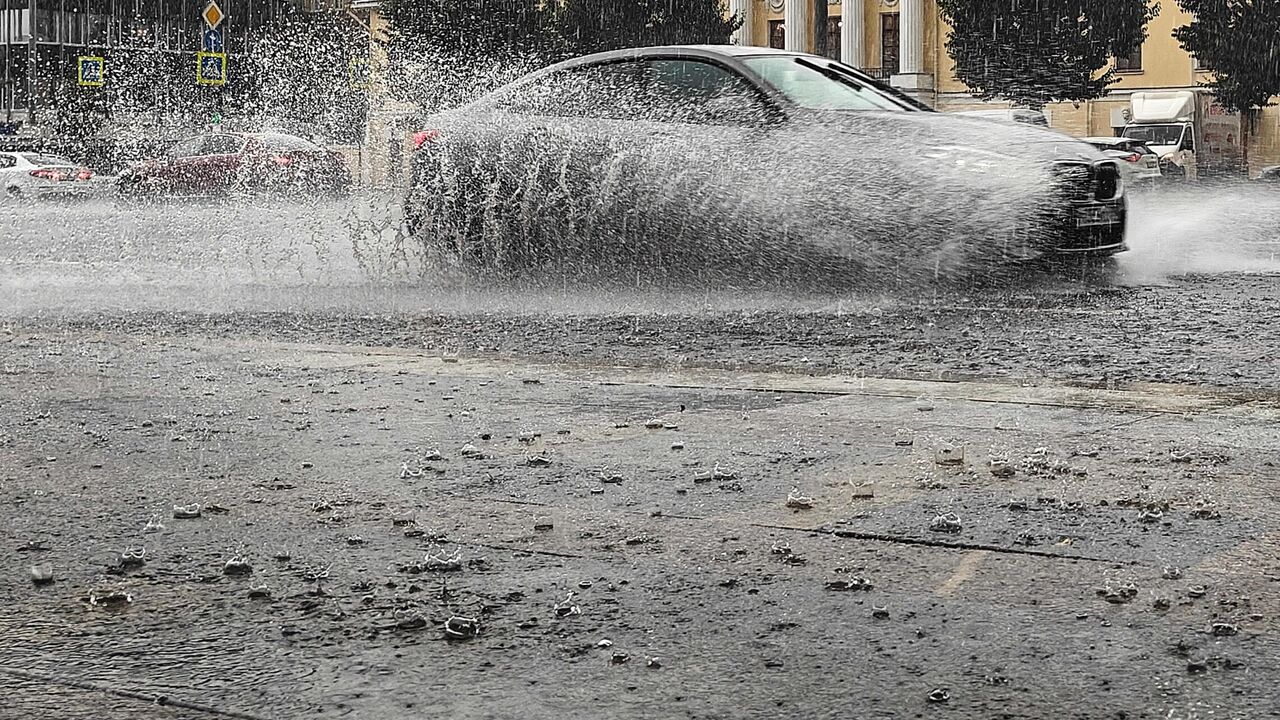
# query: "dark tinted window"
694 91
46 160
604 91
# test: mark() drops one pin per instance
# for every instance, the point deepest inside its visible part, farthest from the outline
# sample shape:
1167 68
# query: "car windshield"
819 84
1155 134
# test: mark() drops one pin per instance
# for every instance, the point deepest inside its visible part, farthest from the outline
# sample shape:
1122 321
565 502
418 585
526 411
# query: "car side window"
607 90
222 145
187 148
695 91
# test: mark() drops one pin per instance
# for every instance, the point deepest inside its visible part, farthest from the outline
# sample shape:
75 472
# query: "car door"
549 158
174 171
703 129
216 170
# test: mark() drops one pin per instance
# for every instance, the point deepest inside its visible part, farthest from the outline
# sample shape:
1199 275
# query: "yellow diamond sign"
213 15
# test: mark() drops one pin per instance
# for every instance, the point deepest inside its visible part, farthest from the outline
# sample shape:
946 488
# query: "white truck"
1194 137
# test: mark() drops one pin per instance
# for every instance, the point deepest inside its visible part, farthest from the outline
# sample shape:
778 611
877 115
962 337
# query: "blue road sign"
211 68
212 40
92 70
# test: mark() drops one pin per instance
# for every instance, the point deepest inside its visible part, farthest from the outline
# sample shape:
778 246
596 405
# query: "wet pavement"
278 493
746 542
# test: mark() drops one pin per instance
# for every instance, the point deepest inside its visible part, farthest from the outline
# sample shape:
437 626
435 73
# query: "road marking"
965 570
1146 397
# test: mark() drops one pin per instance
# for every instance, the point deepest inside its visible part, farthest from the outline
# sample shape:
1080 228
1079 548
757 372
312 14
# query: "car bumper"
60 191
1094 228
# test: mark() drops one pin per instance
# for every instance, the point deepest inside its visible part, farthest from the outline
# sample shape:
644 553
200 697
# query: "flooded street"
277 465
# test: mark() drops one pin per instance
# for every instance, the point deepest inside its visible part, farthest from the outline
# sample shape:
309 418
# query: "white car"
35 175
1141 163
1020 115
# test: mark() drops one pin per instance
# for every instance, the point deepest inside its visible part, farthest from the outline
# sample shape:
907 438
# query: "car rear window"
47 160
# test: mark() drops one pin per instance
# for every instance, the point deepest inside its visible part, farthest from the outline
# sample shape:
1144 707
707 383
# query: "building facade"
903 42
140 41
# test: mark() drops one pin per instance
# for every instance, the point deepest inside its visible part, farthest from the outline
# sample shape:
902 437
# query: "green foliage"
1033 52
596 25
1236 40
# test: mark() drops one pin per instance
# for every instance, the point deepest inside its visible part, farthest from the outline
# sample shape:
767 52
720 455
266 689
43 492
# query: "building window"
777 35
889 43
833 38
1131 62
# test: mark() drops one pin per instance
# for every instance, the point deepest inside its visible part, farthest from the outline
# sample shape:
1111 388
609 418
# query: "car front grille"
1086 182
1106 181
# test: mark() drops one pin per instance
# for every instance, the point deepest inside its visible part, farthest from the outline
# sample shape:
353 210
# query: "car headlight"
967 158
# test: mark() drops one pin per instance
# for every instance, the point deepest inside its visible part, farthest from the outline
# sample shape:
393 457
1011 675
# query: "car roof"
722 51
1109 140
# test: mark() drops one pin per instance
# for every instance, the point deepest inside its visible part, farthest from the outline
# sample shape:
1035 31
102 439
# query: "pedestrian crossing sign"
359 73
92 72
211 68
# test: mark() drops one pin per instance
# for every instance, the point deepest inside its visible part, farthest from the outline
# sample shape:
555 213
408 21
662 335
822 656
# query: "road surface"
1044 495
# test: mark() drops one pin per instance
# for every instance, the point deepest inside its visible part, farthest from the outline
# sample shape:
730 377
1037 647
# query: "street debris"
109 597
537 460
1118 594
566 607
797 501
461 628
133 557
715 474
949 455
853 583
946 523
1223 629
41 574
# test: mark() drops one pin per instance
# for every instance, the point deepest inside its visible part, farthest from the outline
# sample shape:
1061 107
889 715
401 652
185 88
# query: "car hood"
923 131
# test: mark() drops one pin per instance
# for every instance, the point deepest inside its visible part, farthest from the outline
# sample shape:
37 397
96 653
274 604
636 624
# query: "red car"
226 163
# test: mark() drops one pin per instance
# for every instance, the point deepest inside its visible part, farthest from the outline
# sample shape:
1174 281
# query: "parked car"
34 175
1269 174
1140 163
224 163
1020 115
655 153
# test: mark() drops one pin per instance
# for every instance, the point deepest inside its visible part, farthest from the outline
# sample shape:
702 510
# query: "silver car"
665 157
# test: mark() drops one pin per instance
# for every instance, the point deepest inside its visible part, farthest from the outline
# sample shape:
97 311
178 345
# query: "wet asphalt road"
779 545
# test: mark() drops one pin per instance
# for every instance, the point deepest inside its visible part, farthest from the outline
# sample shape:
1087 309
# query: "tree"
445 52
596 25
1236 40
1033 52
